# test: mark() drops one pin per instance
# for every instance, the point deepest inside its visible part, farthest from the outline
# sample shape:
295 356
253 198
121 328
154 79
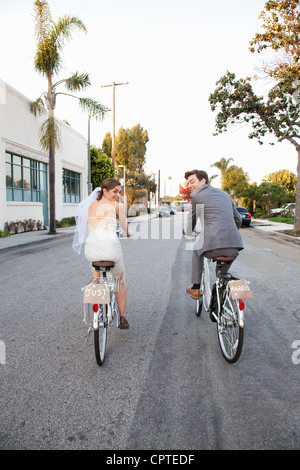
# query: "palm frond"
47 60
43 20
77 82
94 108
50 134
62 30
37 106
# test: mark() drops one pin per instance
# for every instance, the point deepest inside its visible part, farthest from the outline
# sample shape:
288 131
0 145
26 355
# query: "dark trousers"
197 261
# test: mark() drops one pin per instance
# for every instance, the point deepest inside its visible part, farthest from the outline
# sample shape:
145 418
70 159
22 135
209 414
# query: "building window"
71 186
25 178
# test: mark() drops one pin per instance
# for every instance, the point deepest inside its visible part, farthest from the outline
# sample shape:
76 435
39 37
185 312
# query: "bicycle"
225 304
100 297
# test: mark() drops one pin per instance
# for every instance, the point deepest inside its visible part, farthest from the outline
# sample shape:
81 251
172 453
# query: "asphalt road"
165 384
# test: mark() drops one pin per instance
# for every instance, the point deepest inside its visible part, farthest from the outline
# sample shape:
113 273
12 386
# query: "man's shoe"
195 293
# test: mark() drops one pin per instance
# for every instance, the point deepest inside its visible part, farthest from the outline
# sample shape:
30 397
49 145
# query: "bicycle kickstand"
87 337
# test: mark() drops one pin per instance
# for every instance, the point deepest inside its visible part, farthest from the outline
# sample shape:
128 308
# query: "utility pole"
113 149
158 187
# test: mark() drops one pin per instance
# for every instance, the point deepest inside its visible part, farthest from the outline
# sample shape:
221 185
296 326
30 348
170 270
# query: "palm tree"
51 37
222 165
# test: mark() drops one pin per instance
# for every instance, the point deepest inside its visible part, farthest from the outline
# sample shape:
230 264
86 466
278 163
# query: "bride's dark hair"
108 184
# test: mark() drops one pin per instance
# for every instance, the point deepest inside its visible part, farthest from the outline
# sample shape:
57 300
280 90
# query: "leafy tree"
131 152
51 37
235 181
101 167
107 144
285 178
269 193
184 191
278 114
281 24
131 148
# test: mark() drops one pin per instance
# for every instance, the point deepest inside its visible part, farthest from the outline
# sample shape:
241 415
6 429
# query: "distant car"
173 210
288 209
163 212
246 216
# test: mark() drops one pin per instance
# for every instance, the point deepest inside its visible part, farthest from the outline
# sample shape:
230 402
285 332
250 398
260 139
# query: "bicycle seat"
224 258
104 264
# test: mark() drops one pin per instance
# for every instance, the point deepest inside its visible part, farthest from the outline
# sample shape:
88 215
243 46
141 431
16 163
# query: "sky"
171 53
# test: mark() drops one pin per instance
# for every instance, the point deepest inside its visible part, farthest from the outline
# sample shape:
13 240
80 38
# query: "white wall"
19 132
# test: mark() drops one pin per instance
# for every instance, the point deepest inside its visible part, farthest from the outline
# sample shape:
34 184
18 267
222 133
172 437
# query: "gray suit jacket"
219 219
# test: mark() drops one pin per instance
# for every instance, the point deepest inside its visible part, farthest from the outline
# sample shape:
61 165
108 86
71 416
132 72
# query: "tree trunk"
297 209
52 224
50 102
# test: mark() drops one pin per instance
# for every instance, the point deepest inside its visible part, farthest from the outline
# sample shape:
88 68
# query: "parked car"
287 209
163 211
246 216
182 207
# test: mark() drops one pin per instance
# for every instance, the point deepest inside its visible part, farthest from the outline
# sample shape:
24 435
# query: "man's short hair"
199 173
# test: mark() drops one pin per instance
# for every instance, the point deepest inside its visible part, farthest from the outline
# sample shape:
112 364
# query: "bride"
96 226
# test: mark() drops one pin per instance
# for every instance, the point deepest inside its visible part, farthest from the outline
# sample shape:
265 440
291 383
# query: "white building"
24 174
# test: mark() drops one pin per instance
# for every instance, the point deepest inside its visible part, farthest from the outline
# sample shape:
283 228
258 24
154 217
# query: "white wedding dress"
100 240
103 244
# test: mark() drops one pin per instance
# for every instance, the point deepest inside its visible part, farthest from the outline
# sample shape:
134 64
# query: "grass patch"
284 220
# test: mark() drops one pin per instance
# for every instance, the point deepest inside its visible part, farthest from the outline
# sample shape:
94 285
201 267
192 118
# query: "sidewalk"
38 236
275 227
28 238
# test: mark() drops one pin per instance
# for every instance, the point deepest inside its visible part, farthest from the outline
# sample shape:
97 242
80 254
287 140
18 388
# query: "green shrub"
65 222
4 233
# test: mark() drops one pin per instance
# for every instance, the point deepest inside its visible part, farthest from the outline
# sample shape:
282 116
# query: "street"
164 384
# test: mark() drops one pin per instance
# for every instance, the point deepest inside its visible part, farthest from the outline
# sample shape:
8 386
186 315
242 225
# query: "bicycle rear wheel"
230 333
100 335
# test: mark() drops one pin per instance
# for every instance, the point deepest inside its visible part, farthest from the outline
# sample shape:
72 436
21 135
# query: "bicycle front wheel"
199 303
206 285
100 335
205 290
230 333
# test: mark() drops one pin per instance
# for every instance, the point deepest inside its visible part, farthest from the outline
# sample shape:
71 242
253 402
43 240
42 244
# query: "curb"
36 242
284 236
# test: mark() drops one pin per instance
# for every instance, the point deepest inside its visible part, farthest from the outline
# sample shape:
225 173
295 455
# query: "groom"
221 225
